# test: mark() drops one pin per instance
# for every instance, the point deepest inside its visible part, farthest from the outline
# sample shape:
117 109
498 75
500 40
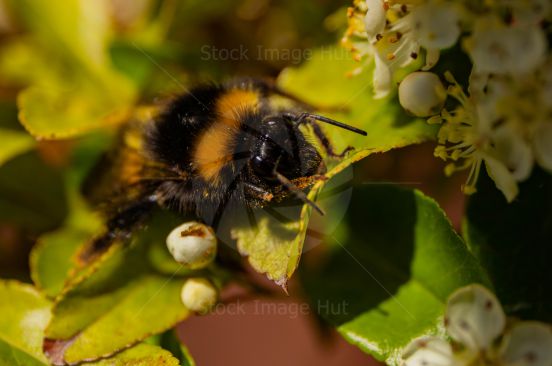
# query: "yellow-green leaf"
117 302
14 143
24 315
72 84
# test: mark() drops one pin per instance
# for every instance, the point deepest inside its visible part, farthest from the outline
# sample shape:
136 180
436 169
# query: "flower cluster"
479 335
395 33
503 119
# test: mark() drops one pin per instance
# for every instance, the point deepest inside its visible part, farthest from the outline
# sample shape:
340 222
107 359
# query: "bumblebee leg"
118 228
305 182
326 144
257 193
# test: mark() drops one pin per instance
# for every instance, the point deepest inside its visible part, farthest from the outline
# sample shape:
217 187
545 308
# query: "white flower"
382 78
422 94
199 295
374 20
526 11
474 317
513 151
476 323
479 131
463 137
502 177
428 351
496 48
527 344
192 244
436 25
398 30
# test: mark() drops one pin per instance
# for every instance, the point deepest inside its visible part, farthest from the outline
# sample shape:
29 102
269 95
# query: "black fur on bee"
210 149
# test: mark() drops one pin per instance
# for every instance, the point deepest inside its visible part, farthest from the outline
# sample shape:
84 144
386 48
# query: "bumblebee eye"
264 159
262 166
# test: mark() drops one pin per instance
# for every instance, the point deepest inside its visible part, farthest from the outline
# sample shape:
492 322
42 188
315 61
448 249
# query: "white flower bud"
199 295
474 317
422 94
192 244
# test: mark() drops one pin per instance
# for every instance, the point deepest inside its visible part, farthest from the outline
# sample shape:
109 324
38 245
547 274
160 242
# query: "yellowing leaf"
25 314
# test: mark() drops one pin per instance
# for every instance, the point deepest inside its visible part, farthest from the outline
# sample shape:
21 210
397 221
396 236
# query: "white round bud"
199 295
192 244
422 94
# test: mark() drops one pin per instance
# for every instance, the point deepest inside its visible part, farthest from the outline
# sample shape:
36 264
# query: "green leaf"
72 86
24 315
512 241
140 355
391 265
53 258
14 143
170 341
117 302
36 207
323 83
79 108
275 247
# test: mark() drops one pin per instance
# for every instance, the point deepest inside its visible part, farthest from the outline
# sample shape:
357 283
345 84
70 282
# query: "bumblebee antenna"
298 193
301 117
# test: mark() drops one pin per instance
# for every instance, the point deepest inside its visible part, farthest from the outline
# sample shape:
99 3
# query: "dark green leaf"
31 194
393 262
170 341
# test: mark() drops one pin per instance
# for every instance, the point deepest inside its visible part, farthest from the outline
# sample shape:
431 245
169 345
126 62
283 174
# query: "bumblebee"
208 150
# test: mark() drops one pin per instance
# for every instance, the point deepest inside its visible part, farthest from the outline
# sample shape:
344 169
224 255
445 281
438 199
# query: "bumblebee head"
282 148
281 153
